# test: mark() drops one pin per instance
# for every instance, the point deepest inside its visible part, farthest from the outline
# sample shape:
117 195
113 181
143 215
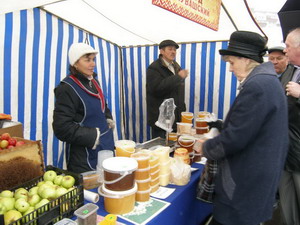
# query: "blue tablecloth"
184 209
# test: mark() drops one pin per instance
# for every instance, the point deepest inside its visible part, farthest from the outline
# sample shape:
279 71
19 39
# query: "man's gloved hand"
111 123
217 124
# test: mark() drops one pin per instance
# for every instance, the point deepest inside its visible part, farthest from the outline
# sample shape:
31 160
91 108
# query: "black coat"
162 84
293 157
67 114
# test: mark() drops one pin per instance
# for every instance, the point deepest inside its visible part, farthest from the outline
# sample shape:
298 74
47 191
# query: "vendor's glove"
216 124
111 123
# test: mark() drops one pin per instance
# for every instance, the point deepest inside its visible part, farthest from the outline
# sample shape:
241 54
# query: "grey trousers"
289 191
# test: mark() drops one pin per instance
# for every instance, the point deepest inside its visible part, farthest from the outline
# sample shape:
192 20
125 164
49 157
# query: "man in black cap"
279 59
289 188
165 79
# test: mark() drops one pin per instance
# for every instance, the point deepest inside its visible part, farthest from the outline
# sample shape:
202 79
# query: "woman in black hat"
252 145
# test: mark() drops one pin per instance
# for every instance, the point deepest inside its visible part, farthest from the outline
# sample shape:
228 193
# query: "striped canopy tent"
35 36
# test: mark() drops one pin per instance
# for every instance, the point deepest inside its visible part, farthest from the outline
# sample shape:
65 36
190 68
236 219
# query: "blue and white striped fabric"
33 60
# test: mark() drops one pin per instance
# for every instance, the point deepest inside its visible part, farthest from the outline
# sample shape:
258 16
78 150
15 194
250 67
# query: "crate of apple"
7 142
28 204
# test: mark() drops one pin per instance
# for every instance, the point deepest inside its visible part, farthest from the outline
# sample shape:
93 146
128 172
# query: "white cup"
102 155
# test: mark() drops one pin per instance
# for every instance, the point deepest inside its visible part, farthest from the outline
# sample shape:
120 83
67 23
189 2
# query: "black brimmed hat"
166 43
246 44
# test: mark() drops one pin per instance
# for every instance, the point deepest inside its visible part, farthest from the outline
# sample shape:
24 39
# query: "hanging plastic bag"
166 115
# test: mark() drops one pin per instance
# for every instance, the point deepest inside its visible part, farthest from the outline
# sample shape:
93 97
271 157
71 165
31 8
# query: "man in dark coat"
289 188
165 79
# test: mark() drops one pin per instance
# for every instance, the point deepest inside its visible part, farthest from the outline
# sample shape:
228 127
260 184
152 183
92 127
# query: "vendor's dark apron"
94 116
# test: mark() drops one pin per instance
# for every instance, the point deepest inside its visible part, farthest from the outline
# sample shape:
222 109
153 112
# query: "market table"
184 208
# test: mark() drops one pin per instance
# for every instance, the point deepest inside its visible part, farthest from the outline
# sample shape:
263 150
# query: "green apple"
11 216
57 180
68 181
21 205
40 183
49 182
33 191
49 175
39 206
34 199
42 187
2 209
7 194
48 193
9 203
60 191
21 193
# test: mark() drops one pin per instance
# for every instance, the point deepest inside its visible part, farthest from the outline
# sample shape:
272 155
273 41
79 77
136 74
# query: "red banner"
205 12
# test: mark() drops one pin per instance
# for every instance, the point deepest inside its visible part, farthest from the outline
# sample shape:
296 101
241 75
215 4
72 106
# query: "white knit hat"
79 49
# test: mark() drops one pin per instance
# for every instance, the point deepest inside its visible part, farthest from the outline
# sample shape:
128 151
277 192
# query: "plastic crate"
57 209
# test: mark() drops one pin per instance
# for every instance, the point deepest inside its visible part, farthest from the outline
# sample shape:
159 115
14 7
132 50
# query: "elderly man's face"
279 60
292 49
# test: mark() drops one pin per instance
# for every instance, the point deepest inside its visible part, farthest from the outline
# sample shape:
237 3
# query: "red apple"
4 144
5 136
10 146
19 143
12 141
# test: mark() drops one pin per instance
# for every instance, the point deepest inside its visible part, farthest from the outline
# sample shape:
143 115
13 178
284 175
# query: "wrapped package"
180 172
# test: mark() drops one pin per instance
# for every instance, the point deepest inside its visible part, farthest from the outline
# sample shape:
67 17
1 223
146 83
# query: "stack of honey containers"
142 176
164 163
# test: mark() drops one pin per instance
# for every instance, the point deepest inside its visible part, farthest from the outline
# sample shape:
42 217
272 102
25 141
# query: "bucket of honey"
182 154
125 148
142 159
119 173
187 117
118 202
164 167
187 142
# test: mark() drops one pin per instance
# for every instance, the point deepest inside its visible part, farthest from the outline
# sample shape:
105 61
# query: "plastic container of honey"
184 128
182 154
119 173
125 148
143 196
154 175
143 184
187 117
162 153
164 167
164 179
154 182
187 142
142 159
142 174
118 202
155 187
172 136
153 161
154 169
